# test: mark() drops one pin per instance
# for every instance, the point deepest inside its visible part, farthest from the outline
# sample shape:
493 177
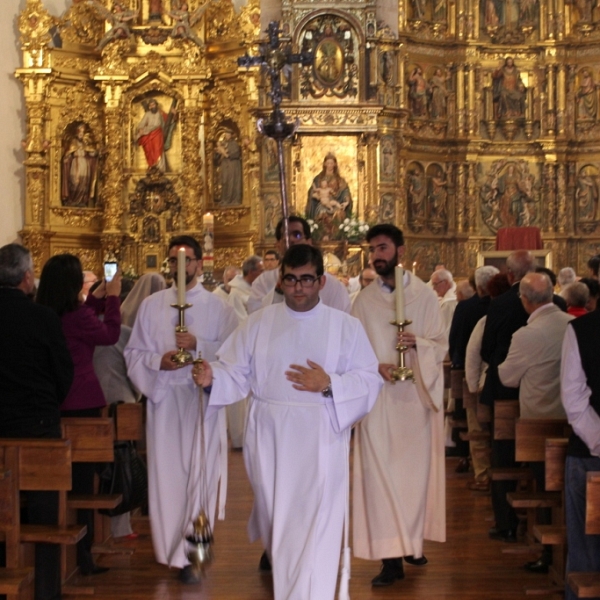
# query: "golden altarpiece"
450 118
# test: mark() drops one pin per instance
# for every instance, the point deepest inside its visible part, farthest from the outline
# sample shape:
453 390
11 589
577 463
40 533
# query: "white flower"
346 221
346 228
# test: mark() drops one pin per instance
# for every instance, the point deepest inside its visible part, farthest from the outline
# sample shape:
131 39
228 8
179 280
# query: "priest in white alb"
399 478
173 410
311 374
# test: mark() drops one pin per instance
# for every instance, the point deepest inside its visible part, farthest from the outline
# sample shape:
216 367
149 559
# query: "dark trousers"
83 483
503 455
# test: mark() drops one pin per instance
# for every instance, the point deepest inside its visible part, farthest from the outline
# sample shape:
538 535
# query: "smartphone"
110 269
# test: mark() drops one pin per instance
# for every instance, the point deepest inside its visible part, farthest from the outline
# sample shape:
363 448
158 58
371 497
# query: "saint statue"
228 159
587 197
329 194
418 93
587 101
79 169
508 91
437 95
120 18
154 133
183 22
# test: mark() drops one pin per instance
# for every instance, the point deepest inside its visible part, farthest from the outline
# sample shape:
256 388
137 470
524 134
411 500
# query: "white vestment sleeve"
575 394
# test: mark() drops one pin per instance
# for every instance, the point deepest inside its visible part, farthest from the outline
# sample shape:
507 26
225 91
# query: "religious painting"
387 209
416 191
270 159
509 22
426 255
79 166
508 91
387 157
327 182
334 71
586 198
437 198
509 196
228 167
587 97
271 214
156 138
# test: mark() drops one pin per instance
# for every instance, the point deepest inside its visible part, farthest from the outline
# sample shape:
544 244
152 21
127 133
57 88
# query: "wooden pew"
45 465
15 581
587 584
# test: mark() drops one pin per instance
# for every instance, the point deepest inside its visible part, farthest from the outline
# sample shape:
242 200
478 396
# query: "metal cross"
273 59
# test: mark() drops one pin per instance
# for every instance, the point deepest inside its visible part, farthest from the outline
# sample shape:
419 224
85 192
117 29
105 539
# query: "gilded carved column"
561 99
461 198
472 108
193 206
550 197
472 198
460 99
561 198
551 107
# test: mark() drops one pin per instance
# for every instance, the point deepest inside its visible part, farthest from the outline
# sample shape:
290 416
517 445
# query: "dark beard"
384 268
188 278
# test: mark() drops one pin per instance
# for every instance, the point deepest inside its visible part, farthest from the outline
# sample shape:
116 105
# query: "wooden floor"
468 566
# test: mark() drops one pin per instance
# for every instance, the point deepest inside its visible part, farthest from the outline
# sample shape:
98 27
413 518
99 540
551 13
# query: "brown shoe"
463 465
479 486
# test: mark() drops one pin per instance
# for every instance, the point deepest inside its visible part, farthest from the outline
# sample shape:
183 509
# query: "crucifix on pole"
272 59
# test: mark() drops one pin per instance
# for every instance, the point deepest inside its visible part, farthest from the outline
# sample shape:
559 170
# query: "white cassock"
173 416
296 446
263 292
399 465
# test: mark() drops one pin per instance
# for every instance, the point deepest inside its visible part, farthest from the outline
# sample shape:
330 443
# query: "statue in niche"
228 160
508 91
417 191
329 195
587 100
154 132
586 195
585 9
418 9
388 159
272 214
527 12
438 94
491 14
120 18
155 10
183 22
438 195
79 167
418 93
439 11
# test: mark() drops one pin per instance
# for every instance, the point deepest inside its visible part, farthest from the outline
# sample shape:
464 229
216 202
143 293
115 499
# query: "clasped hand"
311 379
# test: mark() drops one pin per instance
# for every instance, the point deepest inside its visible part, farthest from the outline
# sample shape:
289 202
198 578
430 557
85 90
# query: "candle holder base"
402 372
182 357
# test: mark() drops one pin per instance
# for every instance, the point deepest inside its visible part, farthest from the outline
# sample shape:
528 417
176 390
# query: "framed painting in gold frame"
497 258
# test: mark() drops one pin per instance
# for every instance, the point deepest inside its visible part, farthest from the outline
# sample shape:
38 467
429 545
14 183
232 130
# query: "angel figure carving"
183 22
120 19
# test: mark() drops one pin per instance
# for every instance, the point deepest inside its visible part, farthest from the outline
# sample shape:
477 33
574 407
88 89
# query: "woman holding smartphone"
60 288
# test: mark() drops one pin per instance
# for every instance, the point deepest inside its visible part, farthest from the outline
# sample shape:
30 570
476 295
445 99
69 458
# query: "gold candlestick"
183 357
402 372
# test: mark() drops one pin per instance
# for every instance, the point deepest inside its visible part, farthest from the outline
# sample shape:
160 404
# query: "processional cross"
272 59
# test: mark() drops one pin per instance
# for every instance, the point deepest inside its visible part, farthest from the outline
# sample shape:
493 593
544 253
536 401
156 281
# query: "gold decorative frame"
497 258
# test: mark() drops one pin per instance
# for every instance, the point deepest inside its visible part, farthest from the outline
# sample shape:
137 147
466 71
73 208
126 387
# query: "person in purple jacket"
60 289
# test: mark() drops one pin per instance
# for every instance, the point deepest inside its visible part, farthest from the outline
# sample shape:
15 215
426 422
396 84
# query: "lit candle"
399 273
414 268
208 225
181 276
208 220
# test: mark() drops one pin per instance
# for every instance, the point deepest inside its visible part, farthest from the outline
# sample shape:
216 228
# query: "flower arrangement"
352 229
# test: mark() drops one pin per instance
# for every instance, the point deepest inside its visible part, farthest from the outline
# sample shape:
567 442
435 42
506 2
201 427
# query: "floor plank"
468 566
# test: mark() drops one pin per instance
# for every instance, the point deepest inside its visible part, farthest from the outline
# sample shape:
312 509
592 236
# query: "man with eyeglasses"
173 407
265 290
271 260
399 480
311 374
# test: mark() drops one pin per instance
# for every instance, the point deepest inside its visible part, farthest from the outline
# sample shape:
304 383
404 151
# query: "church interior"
472 125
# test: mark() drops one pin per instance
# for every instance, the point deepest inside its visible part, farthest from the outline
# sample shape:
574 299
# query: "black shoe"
391 570
463 465
539 566
504 535
189 575
417 562
264 566
95 570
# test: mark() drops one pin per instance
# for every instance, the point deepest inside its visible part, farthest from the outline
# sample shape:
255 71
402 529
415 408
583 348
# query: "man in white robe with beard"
399 478
312 374
172 426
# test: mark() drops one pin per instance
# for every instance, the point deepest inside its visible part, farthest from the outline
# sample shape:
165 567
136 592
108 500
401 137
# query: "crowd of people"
299 360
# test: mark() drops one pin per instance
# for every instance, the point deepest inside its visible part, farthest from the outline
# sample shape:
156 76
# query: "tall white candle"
399 274
414 270
181 276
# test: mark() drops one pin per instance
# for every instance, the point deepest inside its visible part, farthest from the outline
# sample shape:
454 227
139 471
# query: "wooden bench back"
470 400
130 421
456 382
555 459
506 413
9 504
446 375
592 503
44 464
531 435
92 439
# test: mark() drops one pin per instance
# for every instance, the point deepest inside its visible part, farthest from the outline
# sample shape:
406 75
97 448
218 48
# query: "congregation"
305 364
